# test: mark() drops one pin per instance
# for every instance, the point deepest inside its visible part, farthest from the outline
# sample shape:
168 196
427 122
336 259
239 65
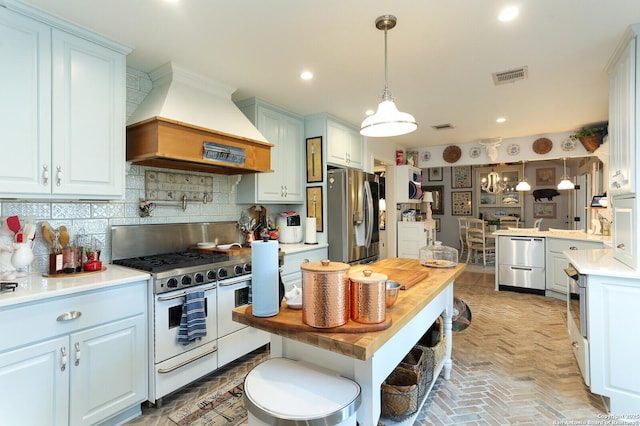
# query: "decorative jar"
438 256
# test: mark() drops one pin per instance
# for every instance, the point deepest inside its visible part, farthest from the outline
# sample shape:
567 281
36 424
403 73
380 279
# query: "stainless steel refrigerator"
353 216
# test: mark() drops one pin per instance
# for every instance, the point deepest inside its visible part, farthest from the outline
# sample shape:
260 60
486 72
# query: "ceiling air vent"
443 126
510 76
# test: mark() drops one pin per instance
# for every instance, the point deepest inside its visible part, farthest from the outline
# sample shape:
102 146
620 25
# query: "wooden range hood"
183 114
161 142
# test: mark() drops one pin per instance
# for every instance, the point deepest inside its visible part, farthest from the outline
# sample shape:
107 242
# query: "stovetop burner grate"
169 261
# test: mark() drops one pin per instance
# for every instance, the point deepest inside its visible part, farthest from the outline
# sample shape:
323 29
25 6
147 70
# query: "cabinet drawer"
560 244
38 320
625 231
520 276
292 261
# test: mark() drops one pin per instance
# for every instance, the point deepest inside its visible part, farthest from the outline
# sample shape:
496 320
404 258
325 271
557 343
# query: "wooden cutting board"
406 277
291 320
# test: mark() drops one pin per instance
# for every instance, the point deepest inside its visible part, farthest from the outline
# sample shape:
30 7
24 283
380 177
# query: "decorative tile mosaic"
164 186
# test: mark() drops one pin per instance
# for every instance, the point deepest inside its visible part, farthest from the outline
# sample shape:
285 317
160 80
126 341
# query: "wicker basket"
400 393
414 360
591 143
434 351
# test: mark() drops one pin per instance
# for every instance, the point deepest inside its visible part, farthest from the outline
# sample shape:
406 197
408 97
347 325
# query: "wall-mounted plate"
513 149
475 152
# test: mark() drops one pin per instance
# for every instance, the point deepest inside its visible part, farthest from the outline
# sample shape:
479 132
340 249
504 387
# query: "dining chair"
462 235
537 224
478 242
509 221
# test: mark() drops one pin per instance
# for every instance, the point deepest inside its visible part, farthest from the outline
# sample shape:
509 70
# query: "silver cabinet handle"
77 345
59 176
63 361
573 248
45 174
69 316
182 364
621 246
575 344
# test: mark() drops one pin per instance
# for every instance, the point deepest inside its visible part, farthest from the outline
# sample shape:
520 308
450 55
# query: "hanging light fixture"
493 184
523 185
565 182
387 121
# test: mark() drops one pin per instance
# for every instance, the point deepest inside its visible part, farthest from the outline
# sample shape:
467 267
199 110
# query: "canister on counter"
325 294
368 296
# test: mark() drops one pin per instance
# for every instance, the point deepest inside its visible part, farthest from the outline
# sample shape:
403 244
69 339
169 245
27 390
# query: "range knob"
237 269
247 268
211 275
198 277
222 273
186 280
172 283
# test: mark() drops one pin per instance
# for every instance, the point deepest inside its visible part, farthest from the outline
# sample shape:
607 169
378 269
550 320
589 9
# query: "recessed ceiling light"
306 75
501 120
508 13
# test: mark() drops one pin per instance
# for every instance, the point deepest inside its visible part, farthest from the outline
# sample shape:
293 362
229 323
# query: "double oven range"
162 250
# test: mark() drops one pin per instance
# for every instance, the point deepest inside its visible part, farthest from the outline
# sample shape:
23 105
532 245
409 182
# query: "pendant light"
387 121
523 185
565 182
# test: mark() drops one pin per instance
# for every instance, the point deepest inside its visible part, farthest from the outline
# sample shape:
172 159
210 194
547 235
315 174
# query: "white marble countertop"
35 287
564 234
600 262
299 247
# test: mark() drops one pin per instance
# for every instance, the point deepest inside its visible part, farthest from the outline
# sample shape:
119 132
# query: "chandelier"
493 184
387 121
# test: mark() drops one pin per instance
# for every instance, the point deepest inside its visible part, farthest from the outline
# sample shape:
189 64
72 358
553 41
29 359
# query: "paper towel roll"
264 284
310 231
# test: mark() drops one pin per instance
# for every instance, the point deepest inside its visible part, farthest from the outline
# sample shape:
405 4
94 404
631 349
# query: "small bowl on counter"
393 287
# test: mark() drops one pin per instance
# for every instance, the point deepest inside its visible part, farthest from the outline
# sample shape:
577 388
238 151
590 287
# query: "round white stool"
281 391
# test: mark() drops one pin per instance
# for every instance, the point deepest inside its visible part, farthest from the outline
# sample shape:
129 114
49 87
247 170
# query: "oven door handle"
178 296
233 281
182 364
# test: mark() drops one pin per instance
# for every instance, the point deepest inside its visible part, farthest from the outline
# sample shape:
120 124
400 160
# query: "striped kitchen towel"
193 323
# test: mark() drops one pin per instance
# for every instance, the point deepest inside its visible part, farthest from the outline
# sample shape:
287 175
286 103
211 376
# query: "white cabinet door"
556 262
25 104
622 122
88 157
625 232
286 132
412 236
344 146
35 384
107 369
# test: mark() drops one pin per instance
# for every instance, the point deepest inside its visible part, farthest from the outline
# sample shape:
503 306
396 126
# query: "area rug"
224 406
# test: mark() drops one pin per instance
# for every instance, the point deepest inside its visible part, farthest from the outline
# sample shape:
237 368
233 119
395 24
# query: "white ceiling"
441 56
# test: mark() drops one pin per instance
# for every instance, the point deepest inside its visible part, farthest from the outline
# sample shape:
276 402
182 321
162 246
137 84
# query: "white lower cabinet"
77 360
613 341
557 280
412 236
291 273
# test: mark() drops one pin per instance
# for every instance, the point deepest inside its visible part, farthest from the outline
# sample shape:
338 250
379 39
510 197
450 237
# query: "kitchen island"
368 358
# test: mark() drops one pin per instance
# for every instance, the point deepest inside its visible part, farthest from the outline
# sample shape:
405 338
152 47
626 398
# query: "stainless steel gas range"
162 250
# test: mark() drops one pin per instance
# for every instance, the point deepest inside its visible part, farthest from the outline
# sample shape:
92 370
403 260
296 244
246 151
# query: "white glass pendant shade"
388 121
565 183
523 185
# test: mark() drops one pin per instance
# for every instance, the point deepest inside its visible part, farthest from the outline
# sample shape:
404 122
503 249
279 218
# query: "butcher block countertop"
363 345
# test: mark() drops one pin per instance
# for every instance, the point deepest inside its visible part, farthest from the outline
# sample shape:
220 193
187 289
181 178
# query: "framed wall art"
544 210
546 176
461 204
314 159
461 177
435 174
314 205
437 207
437 224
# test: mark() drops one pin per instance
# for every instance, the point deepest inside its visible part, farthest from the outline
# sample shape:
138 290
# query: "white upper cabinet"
623 101
285 131
64 115
344 145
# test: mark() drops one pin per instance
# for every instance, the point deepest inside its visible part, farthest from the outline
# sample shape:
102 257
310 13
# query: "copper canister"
368 297
325 294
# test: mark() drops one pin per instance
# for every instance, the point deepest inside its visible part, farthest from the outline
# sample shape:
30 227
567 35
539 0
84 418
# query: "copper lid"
367 276
324 266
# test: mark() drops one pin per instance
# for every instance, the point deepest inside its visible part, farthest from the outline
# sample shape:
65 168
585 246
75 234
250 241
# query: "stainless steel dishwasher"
521 264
